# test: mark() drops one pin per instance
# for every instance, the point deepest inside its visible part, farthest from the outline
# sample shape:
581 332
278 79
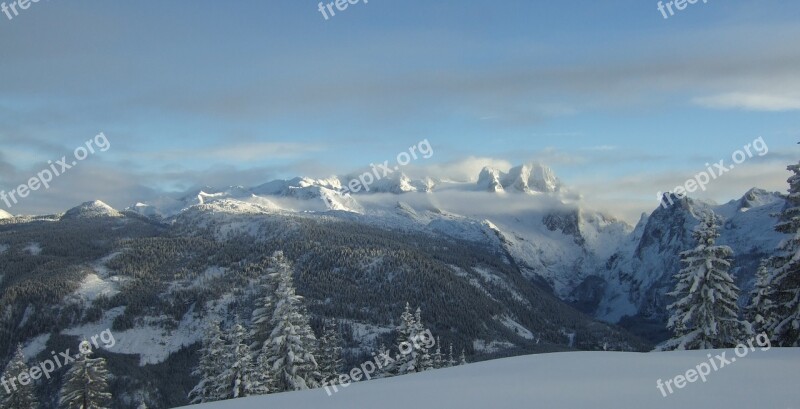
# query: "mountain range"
507 265
600 264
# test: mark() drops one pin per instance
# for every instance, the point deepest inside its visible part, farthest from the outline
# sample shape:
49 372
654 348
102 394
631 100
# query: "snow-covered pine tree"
451 361
424 359
240 377
705 314
786 276
390 368
762 312
330 352
463 359
292 343
438 357
261 318
86 384
406 362
210 367
23 396
142 406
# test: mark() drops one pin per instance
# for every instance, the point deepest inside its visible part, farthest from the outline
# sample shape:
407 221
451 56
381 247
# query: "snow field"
572 380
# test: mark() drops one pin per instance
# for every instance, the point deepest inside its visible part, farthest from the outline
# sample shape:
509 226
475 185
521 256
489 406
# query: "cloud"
629 196
462 170
749 102
244 152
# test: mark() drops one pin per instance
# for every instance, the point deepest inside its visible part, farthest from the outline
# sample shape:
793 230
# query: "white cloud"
462 170
749 102
627 197
245 152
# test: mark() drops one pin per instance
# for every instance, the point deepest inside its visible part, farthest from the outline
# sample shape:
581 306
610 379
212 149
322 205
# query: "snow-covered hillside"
5 215
574 380
90 210
599 264
536 221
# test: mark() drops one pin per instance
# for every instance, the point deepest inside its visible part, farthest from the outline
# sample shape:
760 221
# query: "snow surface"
93 287
517 328
91 210
5 215
150 341
101 282
201 280
36 346
573 380
34 249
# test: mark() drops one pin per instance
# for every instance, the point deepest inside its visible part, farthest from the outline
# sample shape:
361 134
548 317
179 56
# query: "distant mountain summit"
326 194
528 178
91 210
5 215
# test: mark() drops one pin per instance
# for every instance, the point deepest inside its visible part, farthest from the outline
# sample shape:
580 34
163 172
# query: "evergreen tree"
261 318
23 396
786 276
390 369
463 360
261 331
424 359
451 361
292 342
142 406
762 312
407 359
211 365
240 377
705 314
86 384
438 357
330 353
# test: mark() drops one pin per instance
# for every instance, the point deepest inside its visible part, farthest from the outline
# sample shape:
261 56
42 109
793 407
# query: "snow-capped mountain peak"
490 180
5 215
90 210
756 197
527 178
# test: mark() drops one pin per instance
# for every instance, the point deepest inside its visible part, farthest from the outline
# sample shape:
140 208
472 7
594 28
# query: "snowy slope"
577 380
90 210
535 223
5 215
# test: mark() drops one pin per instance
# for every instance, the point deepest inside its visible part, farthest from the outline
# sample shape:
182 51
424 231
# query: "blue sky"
618 100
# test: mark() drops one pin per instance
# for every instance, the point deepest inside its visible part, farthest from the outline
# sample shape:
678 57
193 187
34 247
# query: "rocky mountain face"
639 275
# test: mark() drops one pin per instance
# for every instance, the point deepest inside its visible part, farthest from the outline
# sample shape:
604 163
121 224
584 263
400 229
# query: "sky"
621 102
